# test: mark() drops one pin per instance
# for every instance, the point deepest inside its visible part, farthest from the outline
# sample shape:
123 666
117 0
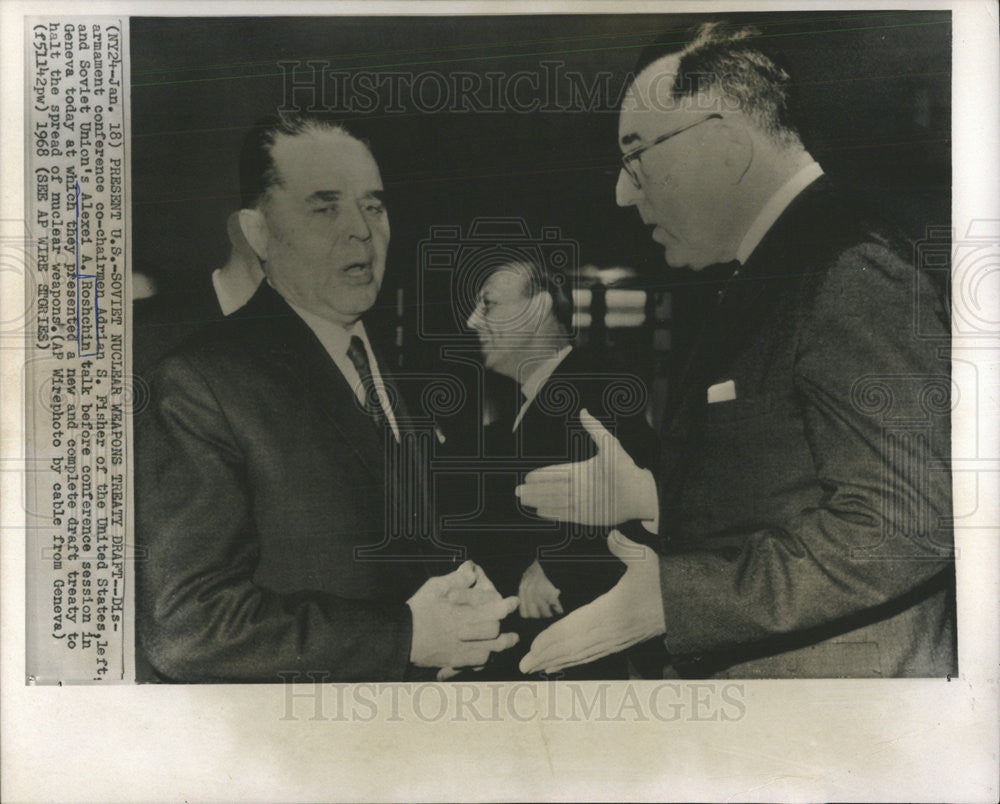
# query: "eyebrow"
326 196
323 196
628 139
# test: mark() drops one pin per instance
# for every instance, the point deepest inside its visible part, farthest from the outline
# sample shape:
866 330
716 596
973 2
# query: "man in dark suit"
272 460
161 322
523 318
803 492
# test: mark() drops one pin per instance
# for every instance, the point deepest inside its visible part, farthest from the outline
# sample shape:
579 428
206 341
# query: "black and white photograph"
500 401
623 311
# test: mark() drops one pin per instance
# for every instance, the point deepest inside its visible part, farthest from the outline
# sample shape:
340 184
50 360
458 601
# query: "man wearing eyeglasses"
802 500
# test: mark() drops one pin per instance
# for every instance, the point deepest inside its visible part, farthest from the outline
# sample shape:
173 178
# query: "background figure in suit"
267 462
163 321
803 494
523 318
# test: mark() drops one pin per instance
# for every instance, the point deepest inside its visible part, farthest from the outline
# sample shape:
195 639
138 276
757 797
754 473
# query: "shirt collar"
774 207
336 338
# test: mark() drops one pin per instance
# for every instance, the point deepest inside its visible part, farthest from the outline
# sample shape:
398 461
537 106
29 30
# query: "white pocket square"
722 392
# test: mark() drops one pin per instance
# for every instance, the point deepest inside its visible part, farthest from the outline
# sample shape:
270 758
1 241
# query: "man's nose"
626 193
475 319
357 224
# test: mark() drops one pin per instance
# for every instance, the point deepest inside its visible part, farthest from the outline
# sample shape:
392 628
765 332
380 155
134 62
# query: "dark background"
872 100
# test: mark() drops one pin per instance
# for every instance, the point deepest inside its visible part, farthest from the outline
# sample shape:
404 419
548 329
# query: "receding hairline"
312 130
520 268
668 66
315 131
756 79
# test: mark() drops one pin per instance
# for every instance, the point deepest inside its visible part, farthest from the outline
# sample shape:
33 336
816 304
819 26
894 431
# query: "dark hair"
258 172
732 60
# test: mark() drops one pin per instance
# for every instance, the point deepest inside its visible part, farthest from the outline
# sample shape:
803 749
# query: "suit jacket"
262 491
163 322
575 558
807 520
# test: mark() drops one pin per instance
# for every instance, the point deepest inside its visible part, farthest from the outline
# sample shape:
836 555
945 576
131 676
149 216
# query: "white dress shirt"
336 339
536 379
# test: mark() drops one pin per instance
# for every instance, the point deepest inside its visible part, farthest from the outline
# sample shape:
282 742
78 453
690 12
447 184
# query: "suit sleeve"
200 616
874 538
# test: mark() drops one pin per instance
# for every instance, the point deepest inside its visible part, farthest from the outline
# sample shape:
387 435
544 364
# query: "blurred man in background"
162 321
523 317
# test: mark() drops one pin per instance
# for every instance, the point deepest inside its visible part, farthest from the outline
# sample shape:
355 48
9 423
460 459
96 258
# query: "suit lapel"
742 308
294 348
569 365
737 316
552 431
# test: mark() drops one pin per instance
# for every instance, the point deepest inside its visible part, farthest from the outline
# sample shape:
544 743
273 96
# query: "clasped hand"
456 621
539 596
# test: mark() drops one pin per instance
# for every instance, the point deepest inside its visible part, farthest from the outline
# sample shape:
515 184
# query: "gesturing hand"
608 489
456 620
629 613
539 598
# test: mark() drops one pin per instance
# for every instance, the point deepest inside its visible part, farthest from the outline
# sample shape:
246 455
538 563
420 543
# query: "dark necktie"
359 357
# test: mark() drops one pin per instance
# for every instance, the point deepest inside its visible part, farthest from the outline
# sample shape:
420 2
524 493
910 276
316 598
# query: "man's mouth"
359 272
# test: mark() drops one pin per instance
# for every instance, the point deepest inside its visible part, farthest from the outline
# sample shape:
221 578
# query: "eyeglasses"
630 161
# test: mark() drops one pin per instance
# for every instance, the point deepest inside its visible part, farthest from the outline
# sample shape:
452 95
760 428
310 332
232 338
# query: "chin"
685 261
674 262
360 301
496 364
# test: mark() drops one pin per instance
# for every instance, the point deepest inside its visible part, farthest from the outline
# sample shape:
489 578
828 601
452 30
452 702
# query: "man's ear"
254 229
738 146
542 303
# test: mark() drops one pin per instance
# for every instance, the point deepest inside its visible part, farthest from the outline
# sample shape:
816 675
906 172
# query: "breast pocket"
743 411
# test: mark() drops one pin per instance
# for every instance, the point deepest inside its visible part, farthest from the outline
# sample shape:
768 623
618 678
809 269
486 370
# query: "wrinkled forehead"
331 160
